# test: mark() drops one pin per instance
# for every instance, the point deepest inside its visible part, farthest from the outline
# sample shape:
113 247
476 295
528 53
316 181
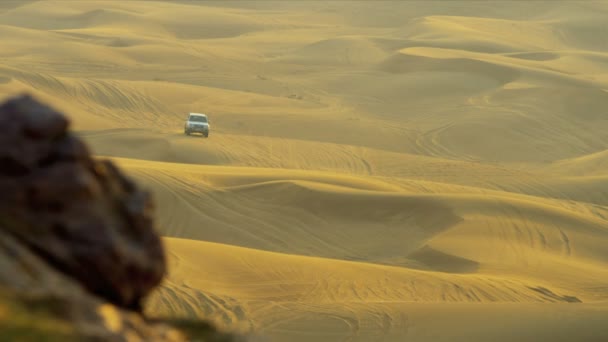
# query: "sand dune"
501 246
284 205
593 164
299 298
387 170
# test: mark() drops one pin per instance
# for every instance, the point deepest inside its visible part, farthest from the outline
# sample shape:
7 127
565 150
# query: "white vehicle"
197 123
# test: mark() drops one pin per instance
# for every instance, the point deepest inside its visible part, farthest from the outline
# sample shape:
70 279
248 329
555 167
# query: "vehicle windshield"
198 118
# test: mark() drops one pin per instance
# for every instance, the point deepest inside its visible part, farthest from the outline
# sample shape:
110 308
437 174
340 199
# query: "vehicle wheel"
206 135
186 132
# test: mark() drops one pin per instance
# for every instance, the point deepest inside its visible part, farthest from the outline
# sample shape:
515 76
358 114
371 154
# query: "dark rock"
40 304
82 216
78 248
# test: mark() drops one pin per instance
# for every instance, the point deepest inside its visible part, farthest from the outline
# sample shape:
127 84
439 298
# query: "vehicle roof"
198 114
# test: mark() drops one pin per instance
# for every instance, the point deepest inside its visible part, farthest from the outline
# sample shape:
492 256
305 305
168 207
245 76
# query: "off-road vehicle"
197 123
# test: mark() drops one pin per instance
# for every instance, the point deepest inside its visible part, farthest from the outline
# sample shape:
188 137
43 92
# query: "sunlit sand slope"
299 298
332 214
430 243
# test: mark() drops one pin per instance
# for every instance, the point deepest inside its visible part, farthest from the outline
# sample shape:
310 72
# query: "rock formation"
78 248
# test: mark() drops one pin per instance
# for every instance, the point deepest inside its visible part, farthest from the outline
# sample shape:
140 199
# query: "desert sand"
376 171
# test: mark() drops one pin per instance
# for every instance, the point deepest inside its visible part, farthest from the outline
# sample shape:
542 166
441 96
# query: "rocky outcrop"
77 240
41 304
